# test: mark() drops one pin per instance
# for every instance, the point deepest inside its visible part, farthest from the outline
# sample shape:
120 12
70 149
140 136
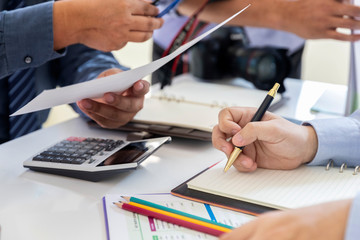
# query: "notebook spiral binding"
342 167
173 98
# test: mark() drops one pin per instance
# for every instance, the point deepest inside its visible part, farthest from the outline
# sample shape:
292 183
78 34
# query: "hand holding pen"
257 117
273 142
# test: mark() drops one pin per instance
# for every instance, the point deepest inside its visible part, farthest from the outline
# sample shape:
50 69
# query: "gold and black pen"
257 117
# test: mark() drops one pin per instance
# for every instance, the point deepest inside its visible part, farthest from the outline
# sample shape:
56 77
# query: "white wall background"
326 61
323 60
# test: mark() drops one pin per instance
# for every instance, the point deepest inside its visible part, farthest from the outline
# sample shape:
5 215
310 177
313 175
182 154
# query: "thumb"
253 131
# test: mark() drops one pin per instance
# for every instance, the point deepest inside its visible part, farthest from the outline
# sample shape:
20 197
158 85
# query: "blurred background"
323 60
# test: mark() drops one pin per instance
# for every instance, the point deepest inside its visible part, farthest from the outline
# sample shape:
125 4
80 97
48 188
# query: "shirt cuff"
338 140
353 223
28 37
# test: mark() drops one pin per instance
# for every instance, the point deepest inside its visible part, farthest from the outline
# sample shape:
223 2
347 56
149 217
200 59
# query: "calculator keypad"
77 150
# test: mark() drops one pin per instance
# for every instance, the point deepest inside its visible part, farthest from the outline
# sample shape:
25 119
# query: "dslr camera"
226 54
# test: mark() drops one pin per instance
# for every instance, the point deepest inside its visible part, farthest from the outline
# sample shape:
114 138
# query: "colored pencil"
198 222
169 219
154 205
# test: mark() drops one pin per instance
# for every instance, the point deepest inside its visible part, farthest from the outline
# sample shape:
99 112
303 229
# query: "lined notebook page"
192 104
182 114
214 95
279 189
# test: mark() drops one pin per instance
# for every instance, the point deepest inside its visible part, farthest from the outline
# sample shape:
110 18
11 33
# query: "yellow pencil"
195 221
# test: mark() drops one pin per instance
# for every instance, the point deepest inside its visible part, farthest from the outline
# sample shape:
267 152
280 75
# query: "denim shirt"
26 41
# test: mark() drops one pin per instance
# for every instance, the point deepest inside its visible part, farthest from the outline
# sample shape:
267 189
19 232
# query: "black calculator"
93 159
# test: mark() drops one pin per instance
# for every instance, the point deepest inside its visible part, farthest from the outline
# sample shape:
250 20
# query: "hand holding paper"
115 109
114 83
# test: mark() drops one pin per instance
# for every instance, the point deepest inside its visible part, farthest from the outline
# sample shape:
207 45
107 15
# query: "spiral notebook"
195 105
271 189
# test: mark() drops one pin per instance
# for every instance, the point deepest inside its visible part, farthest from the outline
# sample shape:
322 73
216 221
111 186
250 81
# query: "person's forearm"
103 25
66 24
261 13
22 38
284 15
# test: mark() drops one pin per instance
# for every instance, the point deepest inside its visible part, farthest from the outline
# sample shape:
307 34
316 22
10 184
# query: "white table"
40 206
301 96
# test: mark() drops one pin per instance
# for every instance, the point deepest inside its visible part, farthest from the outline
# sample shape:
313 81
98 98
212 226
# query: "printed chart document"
280 189
122 224
114 83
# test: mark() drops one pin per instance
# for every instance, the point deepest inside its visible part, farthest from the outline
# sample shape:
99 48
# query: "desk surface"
39 206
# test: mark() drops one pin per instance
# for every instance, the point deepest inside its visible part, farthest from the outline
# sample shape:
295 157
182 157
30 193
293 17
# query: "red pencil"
169 219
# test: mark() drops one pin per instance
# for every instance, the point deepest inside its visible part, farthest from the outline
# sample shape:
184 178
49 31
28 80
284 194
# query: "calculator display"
127 154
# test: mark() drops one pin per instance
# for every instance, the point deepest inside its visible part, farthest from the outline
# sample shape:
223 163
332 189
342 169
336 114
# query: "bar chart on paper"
127 225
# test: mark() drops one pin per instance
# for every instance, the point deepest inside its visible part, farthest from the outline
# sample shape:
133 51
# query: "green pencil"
154 205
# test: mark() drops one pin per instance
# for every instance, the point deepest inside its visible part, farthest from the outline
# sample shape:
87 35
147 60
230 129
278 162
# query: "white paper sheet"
114 83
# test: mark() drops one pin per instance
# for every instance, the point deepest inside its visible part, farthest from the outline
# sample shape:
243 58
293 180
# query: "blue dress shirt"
339 140
26 41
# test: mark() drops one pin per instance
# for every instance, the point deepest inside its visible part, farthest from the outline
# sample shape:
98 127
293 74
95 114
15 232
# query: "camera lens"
266 69
262 66
226 54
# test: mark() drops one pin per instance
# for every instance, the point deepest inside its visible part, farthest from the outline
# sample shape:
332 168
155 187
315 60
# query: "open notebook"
277 189
193 104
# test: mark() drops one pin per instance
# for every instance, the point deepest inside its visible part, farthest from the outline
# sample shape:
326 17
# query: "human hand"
105 25
325 221
305 19
115 109
272 143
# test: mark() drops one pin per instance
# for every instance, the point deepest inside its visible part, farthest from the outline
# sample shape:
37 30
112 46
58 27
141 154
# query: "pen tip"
234 154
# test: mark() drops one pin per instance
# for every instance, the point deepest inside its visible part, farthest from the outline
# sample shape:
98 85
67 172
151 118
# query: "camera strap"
188 30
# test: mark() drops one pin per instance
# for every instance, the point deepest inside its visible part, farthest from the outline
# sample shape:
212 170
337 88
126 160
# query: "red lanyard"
185 32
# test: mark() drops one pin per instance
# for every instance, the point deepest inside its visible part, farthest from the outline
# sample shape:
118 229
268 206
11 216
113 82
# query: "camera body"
226 54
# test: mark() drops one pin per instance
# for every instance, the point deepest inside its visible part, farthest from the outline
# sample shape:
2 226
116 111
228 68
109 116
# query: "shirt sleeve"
26 38
81 64
353 223
338 140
